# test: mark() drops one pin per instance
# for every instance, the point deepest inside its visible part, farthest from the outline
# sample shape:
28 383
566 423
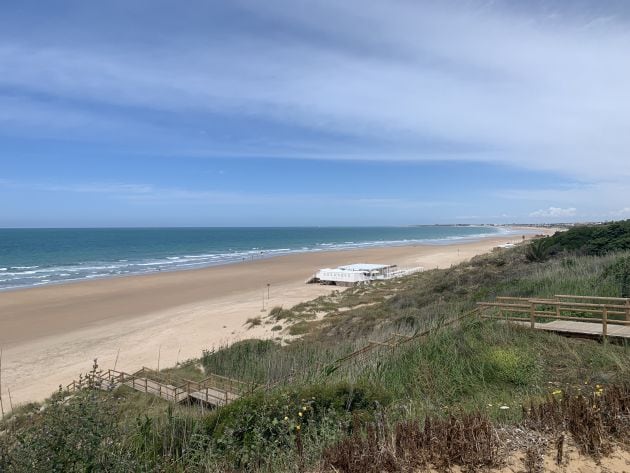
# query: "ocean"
35 257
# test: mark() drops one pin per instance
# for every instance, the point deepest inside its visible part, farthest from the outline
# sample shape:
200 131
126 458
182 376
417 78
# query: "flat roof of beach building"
364 267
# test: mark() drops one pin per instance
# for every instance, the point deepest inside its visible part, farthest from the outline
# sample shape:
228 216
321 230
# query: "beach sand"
51 334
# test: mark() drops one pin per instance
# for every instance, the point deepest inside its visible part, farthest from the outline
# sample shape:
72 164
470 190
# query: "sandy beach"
51 334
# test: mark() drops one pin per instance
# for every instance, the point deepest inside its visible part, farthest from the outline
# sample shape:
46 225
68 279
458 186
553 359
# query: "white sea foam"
24 276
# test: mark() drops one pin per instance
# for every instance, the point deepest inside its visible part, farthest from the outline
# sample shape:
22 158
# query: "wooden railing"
219 389
603 310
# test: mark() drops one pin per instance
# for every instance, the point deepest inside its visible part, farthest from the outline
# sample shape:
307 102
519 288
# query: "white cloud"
554 212
625 212
513 88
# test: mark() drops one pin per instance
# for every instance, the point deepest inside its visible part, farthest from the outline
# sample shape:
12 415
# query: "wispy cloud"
150 194
554 212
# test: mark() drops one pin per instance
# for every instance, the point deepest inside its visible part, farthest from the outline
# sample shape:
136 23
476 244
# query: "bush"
510 366
592 239
299 328
253 322
278 313
251 431
537 251
80 435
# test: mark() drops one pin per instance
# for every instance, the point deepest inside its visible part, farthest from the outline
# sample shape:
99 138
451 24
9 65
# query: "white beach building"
352 274
360 273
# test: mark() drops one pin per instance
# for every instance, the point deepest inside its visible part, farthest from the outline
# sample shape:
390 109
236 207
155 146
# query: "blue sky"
151 113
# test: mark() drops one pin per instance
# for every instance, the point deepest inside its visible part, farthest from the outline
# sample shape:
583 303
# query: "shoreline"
52 333
501 231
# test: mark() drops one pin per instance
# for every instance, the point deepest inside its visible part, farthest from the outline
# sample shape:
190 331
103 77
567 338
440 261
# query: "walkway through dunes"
215 390
587 316
218 391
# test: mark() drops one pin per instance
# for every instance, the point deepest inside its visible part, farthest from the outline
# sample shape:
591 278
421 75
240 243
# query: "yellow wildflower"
300 414
297 427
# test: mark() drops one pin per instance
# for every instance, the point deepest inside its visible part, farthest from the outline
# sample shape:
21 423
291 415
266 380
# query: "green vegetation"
317 412
619 270
592 239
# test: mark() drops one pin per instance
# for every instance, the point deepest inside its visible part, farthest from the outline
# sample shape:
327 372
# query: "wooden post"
1 404
10 400
628 310
558 310
532 315
605 322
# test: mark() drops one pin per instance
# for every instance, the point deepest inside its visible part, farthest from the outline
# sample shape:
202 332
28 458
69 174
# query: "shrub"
251 431
592 239
510 366
469 441
537 251
80 435
253 322
299 328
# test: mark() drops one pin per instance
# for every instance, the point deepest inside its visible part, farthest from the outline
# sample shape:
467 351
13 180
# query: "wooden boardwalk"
214 391
588 316
588 329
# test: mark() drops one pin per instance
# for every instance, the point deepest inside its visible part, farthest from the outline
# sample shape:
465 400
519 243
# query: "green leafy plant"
537 251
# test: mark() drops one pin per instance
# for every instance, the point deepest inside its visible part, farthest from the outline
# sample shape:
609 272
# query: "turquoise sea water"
33 257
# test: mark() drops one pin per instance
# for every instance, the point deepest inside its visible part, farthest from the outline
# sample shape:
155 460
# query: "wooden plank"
577 305
583 328
500 304
507 319
590 311
595 298
513 299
